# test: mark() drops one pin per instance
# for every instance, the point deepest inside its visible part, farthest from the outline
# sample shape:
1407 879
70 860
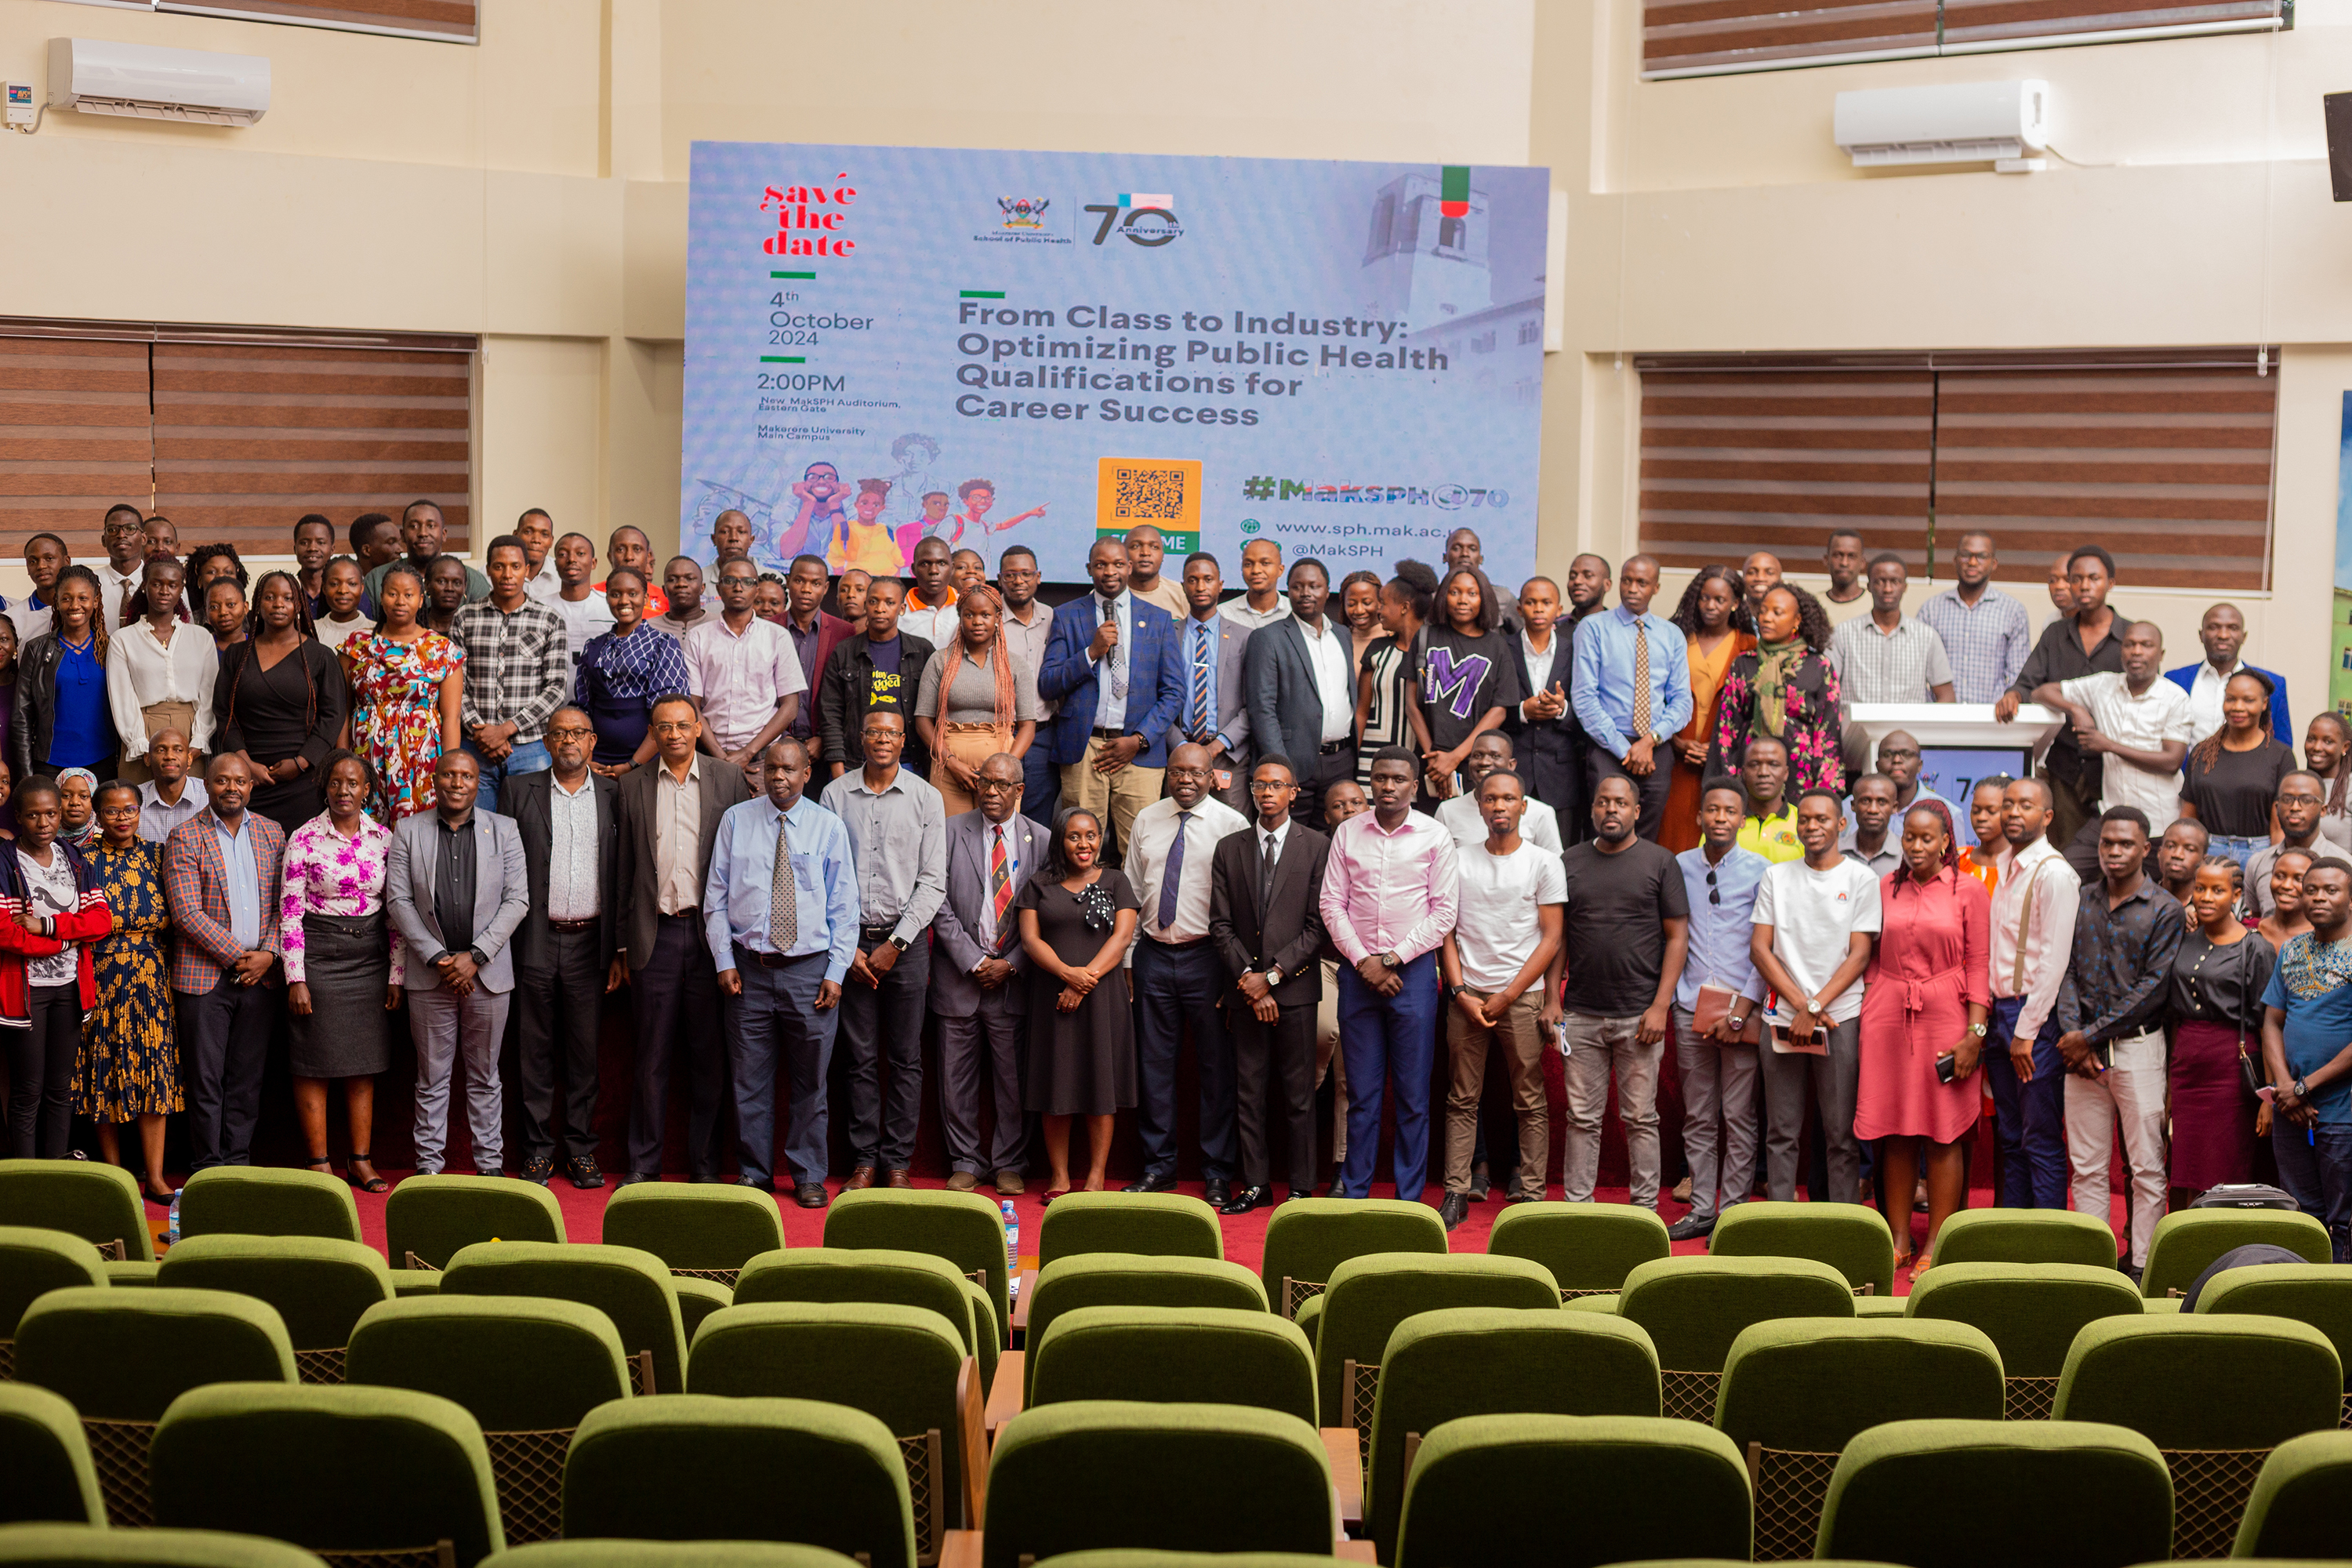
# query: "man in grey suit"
1301 690
979 988
1214 649
456 888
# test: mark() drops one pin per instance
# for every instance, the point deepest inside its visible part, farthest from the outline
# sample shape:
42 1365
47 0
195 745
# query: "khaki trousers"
1467 1044
1118 796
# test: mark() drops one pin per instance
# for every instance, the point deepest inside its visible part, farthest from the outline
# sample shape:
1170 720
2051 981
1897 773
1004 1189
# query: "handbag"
2246 1064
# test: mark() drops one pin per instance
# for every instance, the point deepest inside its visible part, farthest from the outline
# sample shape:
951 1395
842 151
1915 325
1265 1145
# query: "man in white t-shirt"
587 612
2140 723
1461 815
1505 944
1815 920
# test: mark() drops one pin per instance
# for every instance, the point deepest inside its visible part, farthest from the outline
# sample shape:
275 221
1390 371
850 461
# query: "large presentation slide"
886 345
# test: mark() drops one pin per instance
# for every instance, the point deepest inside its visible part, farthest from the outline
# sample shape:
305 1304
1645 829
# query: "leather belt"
1333 748
879 933
588 924
1101 733
758 959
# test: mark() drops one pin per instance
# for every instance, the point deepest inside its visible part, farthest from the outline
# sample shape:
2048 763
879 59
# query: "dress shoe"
1691 1227
1008 1183
1299 1192
1248 1198
962 1182
539 1170
755 1183
1148 1184
706 1178
897 1179
1454 1209
809 1195
1479 1185
859 1180
497 1176
1218 1191
585 1174
631 1178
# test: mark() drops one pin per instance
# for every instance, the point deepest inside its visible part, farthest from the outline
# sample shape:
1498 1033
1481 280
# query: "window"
232 433
1484 343
2163 457
1531 331
1711 37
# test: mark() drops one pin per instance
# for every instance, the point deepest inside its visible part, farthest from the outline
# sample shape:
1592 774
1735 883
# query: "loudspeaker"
2338 106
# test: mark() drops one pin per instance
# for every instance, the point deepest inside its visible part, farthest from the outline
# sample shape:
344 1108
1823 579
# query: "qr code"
1148 495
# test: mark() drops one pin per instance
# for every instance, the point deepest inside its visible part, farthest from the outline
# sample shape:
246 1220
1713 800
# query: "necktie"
1117 655
1266 876
1000 884
784 900
1200 725
1174 874
1641 681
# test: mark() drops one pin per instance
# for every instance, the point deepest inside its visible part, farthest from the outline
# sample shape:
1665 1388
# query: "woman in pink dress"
1925 998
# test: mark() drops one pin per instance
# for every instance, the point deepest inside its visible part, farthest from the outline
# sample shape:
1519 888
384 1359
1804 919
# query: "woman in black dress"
1076 922
2218 979
2232 775
280 703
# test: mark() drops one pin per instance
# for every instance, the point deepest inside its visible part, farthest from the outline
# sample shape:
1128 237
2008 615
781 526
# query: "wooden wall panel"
74 437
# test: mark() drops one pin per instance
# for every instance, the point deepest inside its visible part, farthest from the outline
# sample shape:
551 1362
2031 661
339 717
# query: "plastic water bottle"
172 1226
1011 1247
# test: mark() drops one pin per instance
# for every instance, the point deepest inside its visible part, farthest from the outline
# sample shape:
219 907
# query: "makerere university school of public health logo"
1023 220
1024 214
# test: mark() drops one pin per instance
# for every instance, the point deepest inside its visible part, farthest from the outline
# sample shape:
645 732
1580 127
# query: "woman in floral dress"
407 689
1784 687
129 1062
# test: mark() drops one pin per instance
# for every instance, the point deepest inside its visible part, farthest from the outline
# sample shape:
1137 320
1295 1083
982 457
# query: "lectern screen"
1953 770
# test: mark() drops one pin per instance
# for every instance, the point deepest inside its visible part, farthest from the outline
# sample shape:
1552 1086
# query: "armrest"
971 1437
1345 1551
1004 1394
1339 1443
960 1548
1021 1306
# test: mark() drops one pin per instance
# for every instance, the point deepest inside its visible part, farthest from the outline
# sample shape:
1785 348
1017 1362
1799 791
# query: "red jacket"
87 921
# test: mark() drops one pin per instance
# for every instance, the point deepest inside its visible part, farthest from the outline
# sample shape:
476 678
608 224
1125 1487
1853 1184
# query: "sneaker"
1691 1227
539 1170
585 1176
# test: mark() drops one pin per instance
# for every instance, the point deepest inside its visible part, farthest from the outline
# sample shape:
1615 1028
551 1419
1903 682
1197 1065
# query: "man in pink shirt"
746 670
1389 897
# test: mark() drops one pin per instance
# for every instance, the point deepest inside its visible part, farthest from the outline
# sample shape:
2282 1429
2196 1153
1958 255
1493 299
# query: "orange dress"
1679 829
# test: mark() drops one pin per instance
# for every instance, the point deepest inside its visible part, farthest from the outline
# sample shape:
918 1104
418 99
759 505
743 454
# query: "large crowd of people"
1319 831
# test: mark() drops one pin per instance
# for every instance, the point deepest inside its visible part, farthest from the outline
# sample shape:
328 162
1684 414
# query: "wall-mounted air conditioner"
98 77
1964 122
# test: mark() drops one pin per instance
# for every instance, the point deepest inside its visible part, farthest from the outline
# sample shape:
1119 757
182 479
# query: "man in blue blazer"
2223 633
1114 665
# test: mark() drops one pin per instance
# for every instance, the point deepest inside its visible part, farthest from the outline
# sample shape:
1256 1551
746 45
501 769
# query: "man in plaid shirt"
518 671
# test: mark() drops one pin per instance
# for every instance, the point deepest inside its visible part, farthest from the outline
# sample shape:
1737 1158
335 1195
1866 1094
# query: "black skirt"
347 963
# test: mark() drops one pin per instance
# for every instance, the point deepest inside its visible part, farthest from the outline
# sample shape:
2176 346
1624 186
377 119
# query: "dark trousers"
1384 1037
880 1023
558 1004
2316 1168
1316 773
1273 1081
2029 1119
1176 986
985 1048
1554 774
1041 784
674 996
227 1031
776 1025
41 1074
1652 788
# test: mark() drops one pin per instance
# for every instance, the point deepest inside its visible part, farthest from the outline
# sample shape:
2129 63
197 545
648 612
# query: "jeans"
41 1058
528 757
775 1027
1716 1080
1173 986
1380 1037
2029 1119
2317 1173
2239 849
1596 1045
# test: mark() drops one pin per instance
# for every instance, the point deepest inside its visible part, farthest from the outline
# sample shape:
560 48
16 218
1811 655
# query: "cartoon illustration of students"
820 513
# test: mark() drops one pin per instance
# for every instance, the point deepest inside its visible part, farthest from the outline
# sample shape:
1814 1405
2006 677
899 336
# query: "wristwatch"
1454 991
481 960
1274 974
898 943
1979 1030
2300 1091
1392 960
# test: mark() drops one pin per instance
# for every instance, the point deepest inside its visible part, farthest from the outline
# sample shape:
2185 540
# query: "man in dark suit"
569 821
668 819
878 670
980 987
1301 688
1543 727
1114 664
1213 647
1265 919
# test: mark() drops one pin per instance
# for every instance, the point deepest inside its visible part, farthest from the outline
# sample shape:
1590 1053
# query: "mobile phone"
1947 1067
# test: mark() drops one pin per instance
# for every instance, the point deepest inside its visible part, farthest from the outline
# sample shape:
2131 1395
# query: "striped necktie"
1000 884
1200 709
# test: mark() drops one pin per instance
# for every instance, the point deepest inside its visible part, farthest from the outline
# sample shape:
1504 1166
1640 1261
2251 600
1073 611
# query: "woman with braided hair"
280 702
975 700
1785 688
1708 617
2232 776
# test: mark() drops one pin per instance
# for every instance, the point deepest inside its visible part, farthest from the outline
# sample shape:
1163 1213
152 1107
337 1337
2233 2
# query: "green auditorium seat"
428 1218
2298 1508
2319 1294
670 1554
1145 1557
80 1546
1460 1361
629 1287
1369 1296
2031 1312
100 1202
122 1357
261 1200
34 1261
1125 1280
962 1228
527 1368
693 1466
1589 1247
1795 1392
320 1287
697 1299
1108 1473
1851 1239
905 1366
2187 1242
2214 1393
1504 1489
1307 1238
2024 1235
879 1274
1694 1308
702 1230
379 1470
1968 1494
1155 1224
45 1474
1174 1356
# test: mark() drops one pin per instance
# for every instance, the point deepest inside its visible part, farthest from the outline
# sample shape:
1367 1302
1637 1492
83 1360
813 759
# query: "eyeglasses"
1189 773
571 733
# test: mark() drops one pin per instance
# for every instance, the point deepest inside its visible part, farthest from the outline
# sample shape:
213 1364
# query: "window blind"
74 437
1706 37
445 21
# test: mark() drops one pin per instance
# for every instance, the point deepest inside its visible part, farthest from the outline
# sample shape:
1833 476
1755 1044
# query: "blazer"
961 933
2185 677
832 631
1551 736
845 695
500 900
528 801
635 879
1288 933
37 706
1155 680
1230 718
202 948
1285 703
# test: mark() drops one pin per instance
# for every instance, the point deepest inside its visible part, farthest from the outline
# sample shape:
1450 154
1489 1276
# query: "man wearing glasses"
1986 633
1719 1062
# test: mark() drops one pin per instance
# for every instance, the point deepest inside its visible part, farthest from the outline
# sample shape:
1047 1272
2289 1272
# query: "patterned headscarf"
87 835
